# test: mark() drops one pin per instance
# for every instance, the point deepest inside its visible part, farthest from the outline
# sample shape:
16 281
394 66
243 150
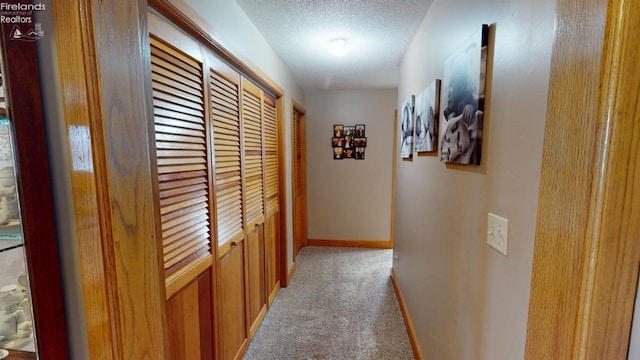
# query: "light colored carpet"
340 304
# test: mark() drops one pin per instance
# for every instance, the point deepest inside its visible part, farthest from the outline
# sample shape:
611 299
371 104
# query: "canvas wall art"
427 107
463 96
406 130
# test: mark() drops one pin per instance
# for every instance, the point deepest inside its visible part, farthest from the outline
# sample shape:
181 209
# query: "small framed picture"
337 141
349 153
338 153
348 142
349 130
360 153
338 131
360 130
360 141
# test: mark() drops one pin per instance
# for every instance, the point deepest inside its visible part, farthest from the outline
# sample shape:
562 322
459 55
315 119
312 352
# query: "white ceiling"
379 32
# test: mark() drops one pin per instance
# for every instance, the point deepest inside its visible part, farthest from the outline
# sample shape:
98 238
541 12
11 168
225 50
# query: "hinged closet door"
254 176
183 187
271 194
227 134
252 126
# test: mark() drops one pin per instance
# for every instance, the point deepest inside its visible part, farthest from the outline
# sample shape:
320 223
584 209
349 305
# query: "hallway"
339 305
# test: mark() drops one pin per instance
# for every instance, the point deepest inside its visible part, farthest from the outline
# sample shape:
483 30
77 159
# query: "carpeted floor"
340 304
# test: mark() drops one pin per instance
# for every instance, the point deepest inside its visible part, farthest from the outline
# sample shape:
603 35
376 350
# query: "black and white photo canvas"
425 137
406 130
463 92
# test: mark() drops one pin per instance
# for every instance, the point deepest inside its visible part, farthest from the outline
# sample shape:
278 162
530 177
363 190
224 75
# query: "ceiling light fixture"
339 47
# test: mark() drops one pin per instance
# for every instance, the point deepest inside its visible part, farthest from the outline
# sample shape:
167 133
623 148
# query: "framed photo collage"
349 142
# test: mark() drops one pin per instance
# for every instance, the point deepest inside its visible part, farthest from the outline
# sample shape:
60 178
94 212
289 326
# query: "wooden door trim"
181 14
393 177
107 118
295 107
282 242
22 90
586 252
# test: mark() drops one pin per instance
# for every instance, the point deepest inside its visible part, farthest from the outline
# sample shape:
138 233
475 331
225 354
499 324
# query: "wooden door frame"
394 164
108 117
299 243
21 77
587 252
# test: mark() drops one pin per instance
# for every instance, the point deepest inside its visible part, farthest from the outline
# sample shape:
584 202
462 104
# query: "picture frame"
360 141
338 131
349 130
348 141
349 153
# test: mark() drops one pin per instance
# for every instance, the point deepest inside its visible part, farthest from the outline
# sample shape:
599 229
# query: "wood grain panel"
103 71
189 315
181 149
256 278
587 251
271 236
233 331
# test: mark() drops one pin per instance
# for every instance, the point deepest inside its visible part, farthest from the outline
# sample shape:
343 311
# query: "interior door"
299 180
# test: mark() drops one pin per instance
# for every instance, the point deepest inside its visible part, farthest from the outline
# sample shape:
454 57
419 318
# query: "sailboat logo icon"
30 35
16 34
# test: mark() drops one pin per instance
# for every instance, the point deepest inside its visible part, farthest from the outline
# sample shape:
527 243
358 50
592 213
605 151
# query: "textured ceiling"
379 32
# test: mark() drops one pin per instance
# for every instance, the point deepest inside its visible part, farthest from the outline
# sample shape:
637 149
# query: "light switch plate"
497 232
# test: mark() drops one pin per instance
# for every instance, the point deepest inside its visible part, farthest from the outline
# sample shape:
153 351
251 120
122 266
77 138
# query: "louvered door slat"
159 112
181 154
252 127
160 120
164 80
227 151
270 131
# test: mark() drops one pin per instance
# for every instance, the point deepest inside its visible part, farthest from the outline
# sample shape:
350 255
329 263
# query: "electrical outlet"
497 233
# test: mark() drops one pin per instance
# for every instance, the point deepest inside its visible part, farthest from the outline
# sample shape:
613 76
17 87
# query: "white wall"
350 199
466 300
234 28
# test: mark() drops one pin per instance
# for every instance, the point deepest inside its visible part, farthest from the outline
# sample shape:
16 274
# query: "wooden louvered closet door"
252 126
218 165
225 100
271 183
254 201
227 137
271 195
181 145
184 194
